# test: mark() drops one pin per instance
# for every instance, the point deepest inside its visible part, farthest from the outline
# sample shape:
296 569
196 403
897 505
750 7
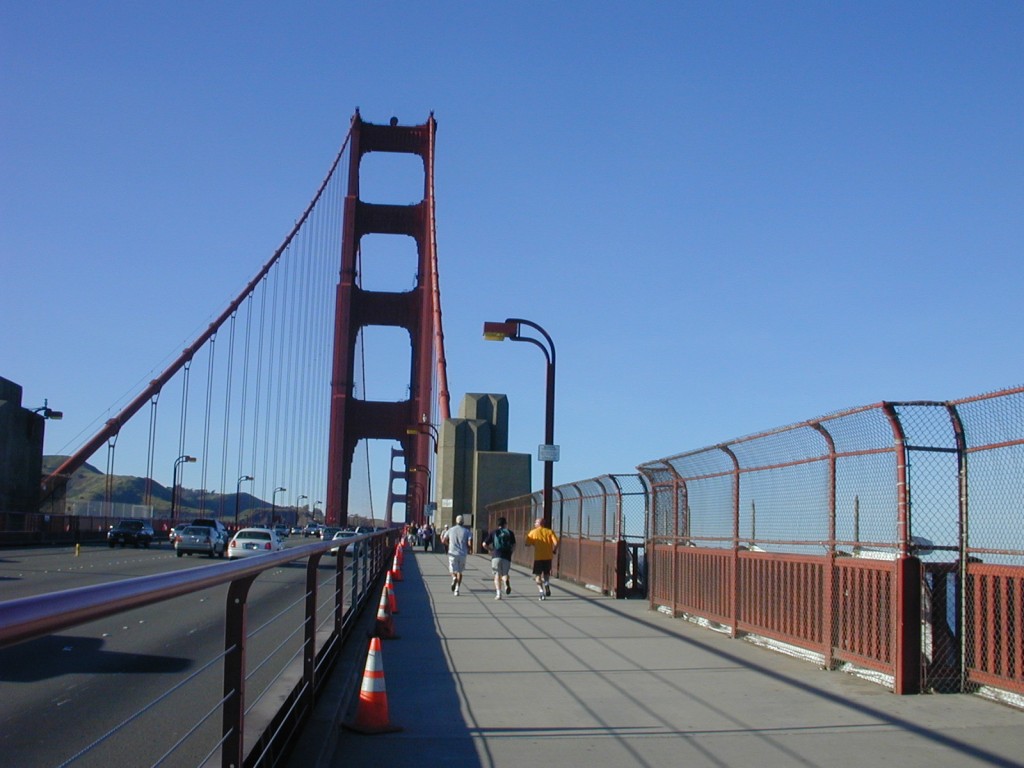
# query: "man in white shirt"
459 540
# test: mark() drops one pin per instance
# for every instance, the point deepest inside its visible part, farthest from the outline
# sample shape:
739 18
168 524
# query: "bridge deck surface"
585 680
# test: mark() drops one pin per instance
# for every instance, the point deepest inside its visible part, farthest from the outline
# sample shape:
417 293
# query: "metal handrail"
28 618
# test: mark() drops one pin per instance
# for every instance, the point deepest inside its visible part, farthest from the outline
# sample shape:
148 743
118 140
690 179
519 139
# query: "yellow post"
78 547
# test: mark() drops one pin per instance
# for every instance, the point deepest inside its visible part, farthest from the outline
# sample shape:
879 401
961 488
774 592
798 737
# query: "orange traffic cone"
392 600
396 569
372 713
385 626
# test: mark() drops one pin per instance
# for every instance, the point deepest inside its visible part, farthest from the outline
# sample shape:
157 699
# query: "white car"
350 549
253 541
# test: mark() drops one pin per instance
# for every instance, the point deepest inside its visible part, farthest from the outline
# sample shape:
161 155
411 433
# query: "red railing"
883 537
995 652
600 524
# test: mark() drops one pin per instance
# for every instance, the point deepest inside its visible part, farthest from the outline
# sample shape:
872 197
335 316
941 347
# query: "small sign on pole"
548 452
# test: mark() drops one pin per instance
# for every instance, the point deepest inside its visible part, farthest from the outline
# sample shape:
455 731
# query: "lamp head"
500 331
48 413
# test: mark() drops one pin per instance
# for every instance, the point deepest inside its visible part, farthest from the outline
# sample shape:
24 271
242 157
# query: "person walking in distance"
500 542
459 540
545 547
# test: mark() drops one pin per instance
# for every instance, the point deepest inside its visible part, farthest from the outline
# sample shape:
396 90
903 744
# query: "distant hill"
89 484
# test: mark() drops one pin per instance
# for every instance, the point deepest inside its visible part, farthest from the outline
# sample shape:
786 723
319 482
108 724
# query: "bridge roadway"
585 680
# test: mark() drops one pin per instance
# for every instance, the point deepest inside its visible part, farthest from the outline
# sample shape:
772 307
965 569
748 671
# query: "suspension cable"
59 476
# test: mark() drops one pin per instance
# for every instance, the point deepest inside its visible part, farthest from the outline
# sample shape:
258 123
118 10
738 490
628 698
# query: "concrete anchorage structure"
21 446
474 467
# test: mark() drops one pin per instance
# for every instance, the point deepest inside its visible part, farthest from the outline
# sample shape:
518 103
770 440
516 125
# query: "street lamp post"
47 412
273 502
429 429
174 482
510 329
300 498
238 494
419 430
421 504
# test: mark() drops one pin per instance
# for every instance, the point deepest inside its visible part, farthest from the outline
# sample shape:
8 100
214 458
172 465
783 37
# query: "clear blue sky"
731 216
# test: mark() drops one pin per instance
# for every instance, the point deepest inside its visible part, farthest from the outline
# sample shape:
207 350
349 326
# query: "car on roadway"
340 536
327 532
199 540
253 541
218 527
138 533
172 535
282 531
312 529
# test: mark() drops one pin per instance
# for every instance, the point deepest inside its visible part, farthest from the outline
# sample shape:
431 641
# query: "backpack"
502 540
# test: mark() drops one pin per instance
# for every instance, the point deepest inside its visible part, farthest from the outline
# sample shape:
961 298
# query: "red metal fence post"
907 677
233 721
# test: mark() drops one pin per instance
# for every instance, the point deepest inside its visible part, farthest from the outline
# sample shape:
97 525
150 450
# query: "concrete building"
474 467
21 451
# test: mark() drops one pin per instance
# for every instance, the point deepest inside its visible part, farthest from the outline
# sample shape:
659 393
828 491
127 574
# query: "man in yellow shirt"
545 547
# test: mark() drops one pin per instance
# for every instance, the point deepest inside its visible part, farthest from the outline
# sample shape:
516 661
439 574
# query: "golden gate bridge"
274 391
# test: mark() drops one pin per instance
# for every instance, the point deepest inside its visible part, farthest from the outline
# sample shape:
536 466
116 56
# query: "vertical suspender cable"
328 258
301 445
245 388
293 362
268 428
109 484
183 418
227 417
280 395
151 450
257 404
299 414
206 422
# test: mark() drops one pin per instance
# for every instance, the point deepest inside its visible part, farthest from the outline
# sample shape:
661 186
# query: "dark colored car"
138 533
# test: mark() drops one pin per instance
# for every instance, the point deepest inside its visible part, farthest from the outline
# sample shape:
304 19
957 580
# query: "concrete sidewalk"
584 680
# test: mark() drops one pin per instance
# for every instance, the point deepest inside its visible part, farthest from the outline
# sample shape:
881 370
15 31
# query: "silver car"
199 540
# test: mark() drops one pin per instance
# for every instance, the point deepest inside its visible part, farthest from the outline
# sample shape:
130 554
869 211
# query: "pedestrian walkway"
581 679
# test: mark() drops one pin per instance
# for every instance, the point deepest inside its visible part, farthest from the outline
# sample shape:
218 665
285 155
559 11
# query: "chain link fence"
886 539
601 524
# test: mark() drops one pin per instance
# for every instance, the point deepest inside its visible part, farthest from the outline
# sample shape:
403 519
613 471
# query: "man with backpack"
500 542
